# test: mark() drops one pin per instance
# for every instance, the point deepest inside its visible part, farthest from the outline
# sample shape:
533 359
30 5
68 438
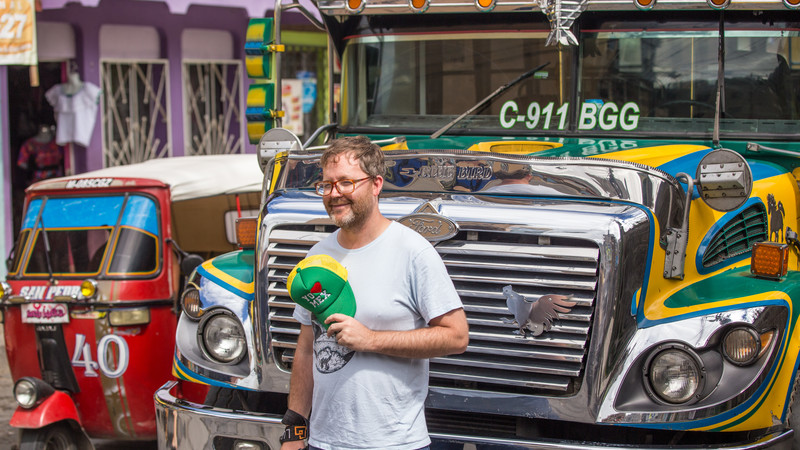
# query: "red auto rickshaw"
91 299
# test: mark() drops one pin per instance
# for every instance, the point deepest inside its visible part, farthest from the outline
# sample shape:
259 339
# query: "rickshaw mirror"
190 262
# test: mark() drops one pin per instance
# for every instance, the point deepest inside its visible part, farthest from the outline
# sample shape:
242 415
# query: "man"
367 377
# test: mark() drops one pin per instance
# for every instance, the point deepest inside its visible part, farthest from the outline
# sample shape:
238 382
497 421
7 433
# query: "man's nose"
335 192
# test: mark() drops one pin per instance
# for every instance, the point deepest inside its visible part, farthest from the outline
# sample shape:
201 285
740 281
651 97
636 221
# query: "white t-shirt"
75 114
366 400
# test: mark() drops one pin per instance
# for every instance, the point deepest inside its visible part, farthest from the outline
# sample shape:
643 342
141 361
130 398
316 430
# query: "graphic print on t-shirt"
328 355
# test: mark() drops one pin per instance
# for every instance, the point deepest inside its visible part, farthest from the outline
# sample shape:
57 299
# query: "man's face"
348 211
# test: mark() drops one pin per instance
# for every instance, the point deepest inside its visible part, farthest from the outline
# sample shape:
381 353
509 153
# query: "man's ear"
377 184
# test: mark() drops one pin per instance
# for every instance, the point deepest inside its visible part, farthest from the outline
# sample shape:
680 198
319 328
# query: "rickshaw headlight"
222 338
674 374
29 391
5 290
129 316
88 289
190 302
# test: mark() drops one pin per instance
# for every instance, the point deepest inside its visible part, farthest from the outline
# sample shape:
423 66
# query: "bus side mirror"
190 262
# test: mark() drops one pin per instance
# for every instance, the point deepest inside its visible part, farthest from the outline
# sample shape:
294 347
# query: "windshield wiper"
46 245
488 98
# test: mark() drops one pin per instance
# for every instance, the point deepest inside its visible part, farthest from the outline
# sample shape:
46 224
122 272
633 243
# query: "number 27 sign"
17 32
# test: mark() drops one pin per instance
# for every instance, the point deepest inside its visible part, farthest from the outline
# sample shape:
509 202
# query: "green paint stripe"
238 265
734 283
304 38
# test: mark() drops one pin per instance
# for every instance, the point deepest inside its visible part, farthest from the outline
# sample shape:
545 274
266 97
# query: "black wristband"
296 427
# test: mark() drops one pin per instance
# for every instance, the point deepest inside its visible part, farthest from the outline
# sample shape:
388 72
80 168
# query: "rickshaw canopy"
188 177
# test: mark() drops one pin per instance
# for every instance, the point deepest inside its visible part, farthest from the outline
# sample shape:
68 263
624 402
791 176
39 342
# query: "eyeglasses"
343 186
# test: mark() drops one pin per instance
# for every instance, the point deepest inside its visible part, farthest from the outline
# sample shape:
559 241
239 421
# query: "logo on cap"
319 284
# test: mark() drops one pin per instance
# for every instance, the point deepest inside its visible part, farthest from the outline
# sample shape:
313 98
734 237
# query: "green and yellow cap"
319 284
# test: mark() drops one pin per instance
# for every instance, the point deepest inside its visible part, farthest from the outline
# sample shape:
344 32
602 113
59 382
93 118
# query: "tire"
793 416
243 400
58 436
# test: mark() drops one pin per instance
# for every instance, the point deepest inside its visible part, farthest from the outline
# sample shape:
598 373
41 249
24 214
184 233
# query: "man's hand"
293 445
447 334
350 333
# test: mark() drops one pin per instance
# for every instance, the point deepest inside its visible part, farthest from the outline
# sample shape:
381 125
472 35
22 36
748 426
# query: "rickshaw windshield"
117 235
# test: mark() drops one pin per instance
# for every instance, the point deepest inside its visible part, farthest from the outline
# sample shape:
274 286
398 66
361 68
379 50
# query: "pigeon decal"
538 315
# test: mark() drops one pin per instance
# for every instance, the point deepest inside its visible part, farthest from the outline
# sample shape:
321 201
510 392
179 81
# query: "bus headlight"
190 301
221 337
674 374
742 345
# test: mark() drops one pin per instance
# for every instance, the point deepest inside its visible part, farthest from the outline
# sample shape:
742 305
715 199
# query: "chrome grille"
499 358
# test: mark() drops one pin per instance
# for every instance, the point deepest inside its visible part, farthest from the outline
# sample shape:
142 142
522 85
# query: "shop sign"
17 32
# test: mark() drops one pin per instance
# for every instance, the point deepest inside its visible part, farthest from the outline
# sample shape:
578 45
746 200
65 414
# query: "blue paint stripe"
204 379
722 222
688 164
205 273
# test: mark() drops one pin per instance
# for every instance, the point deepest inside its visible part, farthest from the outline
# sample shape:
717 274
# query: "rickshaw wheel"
53 437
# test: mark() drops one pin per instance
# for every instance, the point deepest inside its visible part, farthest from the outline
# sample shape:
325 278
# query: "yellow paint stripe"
248 288
178 373
652 156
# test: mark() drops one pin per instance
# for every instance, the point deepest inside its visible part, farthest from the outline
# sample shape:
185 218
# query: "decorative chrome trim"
190 353
427 221
338 7
724 5
597 224
482 8
423 9
699 333
468 172
178 419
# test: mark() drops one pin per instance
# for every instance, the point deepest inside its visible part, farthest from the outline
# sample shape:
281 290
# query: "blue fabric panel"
141 213
89 212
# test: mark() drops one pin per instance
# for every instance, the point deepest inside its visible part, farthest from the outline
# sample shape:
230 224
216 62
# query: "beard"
359 210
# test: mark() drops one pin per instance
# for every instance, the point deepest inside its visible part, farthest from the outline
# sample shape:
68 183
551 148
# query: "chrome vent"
738 235
499 358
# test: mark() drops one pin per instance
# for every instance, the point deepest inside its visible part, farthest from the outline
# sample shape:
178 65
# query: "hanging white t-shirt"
75 114
365 400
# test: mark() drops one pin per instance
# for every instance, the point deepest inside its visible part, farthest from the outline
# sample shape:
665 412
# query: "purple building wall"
86 21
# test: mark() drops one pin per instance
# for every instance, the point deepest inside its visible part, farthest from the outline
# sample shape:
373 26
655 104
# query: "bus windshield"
424 81
116 235
671 77
648 78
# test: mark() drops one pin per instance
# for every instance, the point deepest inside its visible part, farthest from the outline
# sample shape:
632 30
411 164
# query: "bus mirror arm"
188 261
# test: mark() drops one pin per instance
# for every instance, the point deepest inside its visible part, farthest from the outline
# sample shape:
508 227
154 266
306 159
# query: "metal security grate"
499 358
135 111
737 236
